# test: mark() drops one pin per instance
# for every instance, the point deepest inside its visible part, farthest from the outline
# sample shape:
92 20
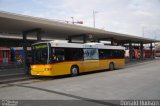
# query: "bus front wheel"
74 70
111 66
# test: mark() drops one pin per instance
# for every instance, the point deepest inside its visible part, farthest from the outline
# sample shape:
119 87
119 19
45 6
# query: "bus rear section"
114 57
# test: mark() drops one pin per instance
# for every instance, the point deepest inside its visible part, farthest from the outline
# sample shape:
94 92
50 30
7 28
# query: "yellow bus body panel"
118 63
63 68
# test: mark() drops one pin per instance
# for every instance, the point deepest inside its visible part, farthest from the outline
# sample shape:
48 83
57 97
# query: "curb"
13 80
140 63
25 78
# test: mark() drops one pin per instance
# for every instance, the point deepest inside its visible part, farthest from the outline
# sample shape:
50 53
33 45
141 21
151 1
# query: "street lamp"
143 31
94 12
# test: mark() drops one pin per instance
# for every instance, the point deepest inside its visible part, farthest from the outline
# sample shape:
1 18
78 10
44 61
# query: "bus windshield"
40 53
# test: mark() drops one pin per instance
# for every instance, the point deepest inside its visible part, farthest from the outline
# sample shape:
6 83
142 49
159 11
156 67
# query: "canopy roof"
16 24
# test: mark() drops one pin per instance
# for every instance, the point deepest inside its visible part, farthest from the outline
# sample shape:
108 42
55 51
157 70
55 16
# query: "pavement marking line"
68 95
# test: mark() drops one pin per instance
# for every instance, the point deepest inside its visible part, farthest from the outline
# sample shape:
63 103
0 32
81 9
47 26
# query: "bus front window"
40 54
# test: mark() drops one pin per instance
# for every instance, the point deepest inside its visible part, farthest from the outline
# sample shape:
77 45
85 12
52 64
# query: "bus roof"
56 43
65 44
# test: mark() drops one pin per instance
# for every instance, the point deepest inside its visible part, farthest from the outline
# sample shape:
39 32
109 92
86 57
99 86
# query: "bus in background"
157 53
61 58
135 54
147 53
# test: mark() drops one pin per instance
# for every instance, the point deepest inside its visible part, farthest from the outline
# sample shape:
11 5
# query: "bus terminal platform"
11 72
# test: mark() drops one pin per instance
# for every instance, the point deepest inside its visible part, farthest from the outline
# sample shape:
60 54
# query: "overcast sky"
123 16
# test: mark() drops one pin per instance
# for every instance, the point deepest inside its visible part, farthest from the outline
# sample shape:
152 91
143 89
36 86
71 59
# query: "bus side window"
73 54
60 58
78 54
57 55
101 54
53 56
60 54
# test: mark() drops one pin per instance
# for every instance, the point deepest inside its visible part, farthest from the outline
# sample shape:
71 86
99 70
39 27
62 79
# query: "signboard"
40 46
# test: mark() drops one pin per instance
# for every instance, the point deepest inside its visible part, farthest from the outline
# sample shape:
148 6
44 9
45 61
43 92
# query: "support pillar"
26 61
25 52
39 38
141 49
69 39
98 41
84 39
151 49
112 42
130 51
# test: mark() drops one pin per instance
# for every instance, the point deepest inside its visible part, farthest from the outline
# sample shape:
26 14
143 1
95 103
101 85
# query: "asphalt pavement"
139 82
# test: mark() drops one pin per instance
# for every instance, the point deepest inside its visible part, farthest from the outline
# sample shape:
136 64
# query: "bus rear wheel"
111 66
74 70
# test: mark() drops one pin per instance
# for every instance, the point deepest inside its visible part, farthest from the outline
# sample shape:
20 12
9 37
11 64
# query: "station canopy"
15 24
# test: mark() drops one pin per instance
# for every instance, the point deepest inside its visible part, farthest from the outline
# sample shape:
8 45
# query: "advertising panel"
91 54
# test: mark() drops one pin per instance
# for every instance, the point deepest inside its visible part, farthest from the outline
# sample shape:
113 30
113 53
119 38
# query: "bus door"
5 56
91 59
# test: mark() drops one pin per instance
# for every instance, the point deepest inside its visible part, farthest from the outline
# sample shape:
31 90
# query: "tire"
111 66
74 70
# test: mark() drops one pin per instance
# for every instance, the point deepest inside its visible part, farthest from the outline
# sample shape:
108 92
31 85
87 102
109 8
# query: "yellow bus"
56 58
